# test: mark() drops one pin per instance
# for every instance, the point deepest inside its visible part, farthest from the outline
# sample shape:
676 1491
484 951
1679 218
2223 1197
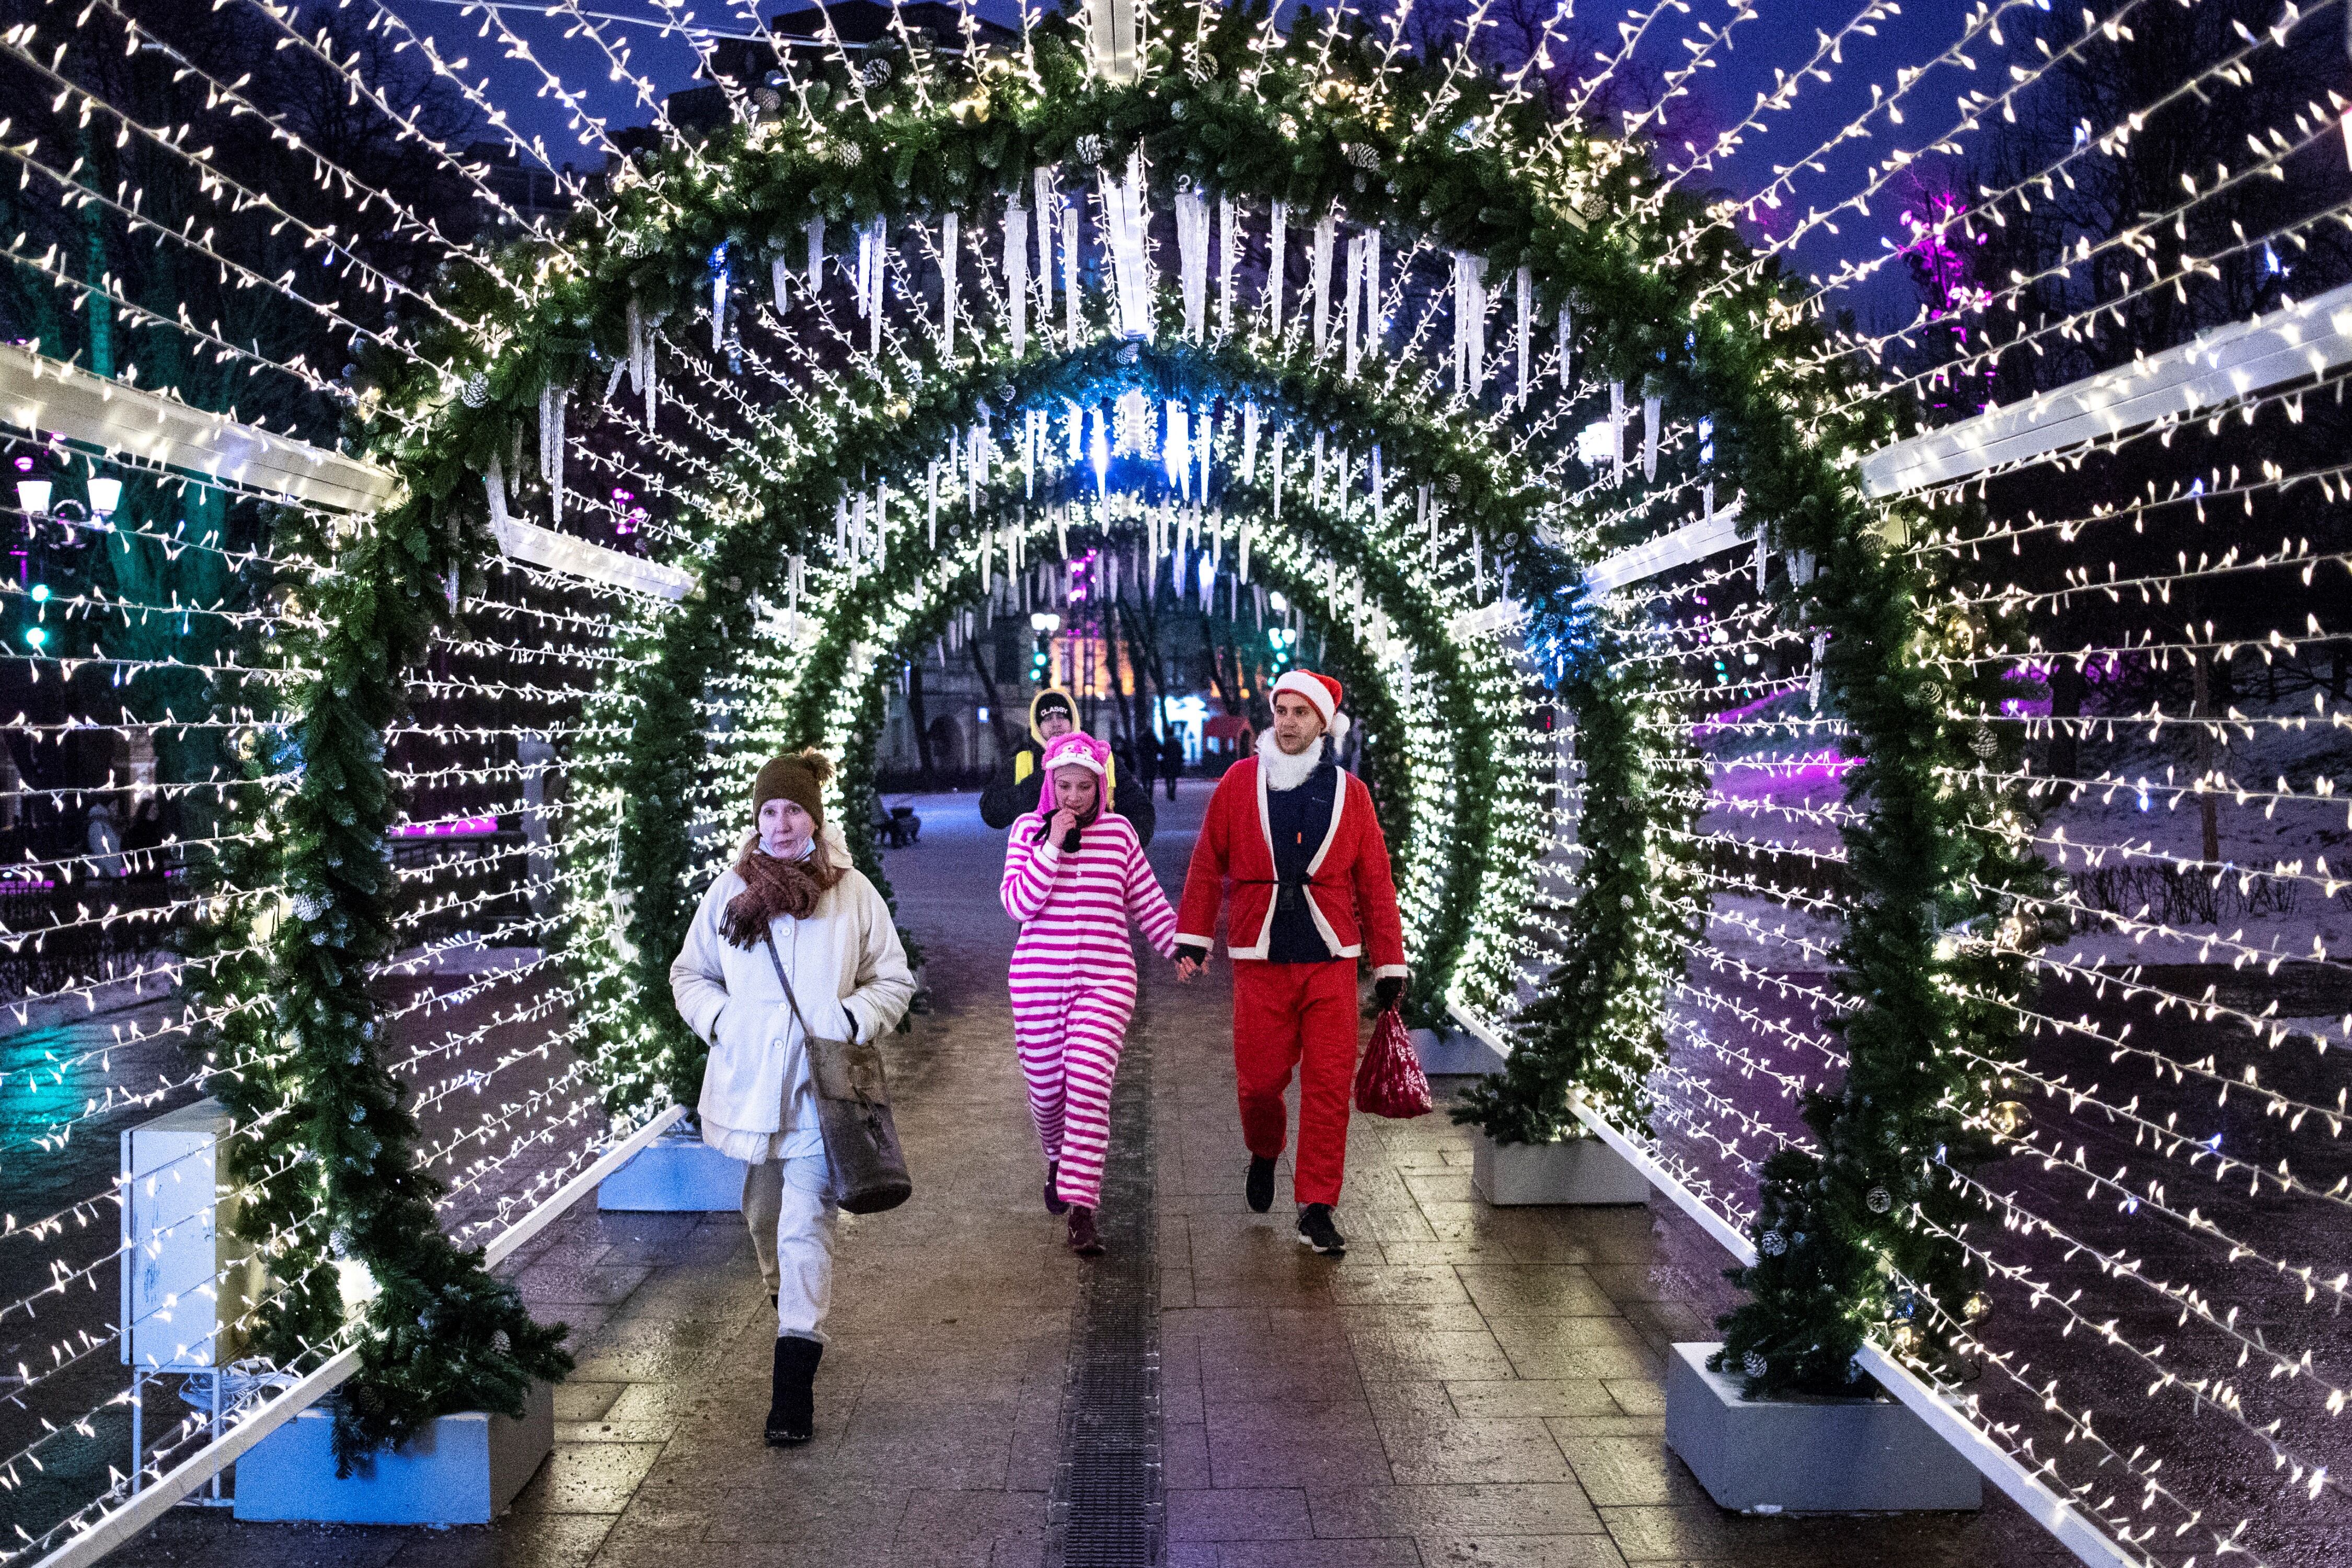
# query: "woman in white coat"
792 891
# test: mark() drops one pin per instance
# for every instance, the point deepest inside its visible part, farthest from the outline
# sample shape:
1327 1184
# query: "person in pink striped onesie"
1075 876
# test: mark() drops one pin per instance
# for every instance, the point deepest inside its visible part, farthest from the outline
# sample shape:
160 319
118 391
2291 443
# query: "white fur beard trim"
1283 771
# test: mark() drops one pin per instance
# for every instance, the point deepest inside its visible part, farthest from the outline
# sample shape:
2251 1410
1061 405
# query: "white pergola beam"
48 396
593 562
2305 339
1692 542
1115 38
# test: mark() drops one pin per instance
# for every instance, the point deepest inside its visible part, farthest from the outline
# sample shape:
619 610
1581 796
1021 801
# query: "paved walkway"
1469 1385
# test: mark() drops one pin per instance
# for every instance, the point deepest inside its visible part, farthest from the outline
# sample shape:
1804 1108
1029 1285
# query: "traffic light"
1281 641
1042 625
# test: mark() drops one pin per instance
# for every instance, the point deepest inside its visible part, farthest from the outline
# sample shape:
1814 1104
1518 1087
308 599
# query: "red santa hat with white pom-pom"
1322 693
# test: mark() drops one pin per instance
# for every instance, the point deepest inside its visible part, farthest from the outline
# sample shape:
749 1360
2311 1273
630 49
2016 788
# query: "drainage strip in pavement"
1109 1507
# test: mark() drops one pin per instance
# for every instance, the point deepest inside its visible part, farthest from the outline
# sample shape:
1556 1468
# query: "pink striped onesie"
1073 980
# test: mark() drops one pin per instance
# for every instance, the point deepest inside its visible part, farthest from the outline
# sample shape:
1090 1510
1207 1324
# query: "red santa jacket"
1350 890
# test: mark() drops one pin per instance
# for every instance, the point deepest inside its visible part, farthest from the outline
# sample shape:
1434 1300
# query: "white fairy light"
543 655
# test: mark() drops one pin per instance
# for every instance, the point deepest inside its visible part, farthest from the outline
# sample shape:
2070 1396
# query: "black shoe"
1083 1240
1315 1230
1259 1190
1054 1202
791 1406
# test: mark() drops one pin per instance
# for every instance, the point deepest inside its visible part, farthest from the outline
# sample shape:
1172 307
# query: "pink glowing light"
1707 728
447 827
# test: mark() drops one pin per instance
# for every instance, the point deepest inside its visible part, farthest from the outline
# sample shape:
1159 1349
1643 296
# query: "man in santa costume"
1311 894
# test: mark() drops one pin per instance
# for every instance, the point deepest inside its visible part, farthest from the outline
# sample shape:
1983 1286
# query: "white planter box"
461 1469
1456 1051
1807 1456
675 1173
1572 1170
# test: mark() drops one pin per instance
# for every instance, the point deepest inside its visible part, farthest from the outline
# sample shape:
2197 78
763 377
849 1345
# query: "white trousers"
793 1227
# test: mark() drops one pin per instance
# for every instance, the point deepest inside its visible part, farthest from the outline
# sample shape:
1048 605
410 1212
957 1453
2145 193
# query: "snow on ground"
2131 846
2280 894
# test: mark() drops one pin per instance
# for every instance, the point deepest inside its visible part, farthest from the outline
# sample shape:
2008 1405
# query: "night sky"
1781 37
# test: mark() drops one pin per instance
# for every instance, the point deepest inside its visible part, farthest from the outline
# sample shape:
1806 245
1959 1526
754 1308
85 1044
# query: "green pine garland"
226 981
1848 1239
442 1335
1598 1026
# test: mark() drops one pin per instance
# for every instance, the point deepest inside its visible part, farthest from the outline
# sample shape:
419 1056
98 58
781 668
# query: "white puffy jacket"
850 974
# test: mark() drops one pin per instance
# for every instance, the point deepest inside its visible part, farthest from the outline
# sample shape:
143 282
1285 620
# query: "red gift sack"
1389 1082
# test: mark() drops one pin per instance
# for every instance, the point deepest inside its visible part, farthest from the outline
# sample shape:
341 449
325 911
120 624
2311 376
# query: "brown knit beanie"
796 776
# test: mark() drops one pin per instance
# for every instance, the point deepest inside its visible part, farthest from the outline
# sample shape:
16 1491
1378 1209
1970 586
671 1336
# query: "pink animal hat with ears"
1076 749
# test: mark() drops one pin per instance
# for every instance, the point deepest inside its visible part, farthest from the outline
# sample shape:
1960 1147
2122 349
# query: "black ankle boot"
792 1404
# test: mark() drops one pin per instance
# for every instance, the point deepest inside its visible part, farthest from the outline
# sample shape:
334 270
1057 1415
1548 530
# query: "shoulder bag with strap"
853 1112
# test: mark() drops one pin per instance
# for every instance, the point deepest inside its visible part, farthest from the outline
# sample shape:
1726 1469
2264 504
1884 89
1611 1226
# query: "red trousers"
1299 1016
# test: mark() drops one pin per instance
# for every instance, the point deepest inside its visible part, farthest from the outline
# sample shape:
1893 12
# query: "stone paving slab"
1467 1386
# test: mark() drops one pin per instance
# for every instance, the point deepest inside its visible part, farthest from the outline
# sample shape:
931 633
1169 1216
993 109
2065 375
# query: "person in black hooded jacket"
1052 713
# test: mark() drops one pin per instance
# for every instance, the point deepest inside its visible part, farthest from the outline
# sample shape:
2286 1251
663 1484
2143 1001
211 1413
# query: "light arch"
857 614
1654 299
1497 188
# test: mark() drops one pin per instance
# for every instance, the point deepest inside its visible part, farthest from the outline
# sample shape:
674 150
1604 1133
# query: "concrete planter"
1572 1170
1807 1456
675 1173
461 1469
1456 1051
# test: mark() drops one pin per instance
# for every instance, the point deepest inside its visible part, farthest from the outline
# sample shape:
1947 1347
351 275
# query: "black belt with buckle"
1289 892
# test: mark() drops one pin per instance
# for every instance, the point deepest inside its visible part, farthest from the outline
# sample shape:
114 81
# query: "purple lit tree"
1939 244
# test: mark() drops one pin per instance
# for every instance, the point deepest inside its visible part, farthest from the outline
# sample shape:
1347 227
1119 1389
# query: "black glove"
1192 950
1387 989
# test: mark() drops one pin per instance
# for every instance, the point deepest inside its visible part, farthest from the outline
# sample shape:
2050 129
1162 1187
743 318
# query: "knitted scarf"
773 888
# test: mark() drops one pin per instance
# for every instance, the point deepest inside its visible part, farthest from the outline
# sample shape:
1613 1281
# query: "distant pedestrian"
793 903
1124 764
1054 713
104 842
142 840
1172 760
1075 876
